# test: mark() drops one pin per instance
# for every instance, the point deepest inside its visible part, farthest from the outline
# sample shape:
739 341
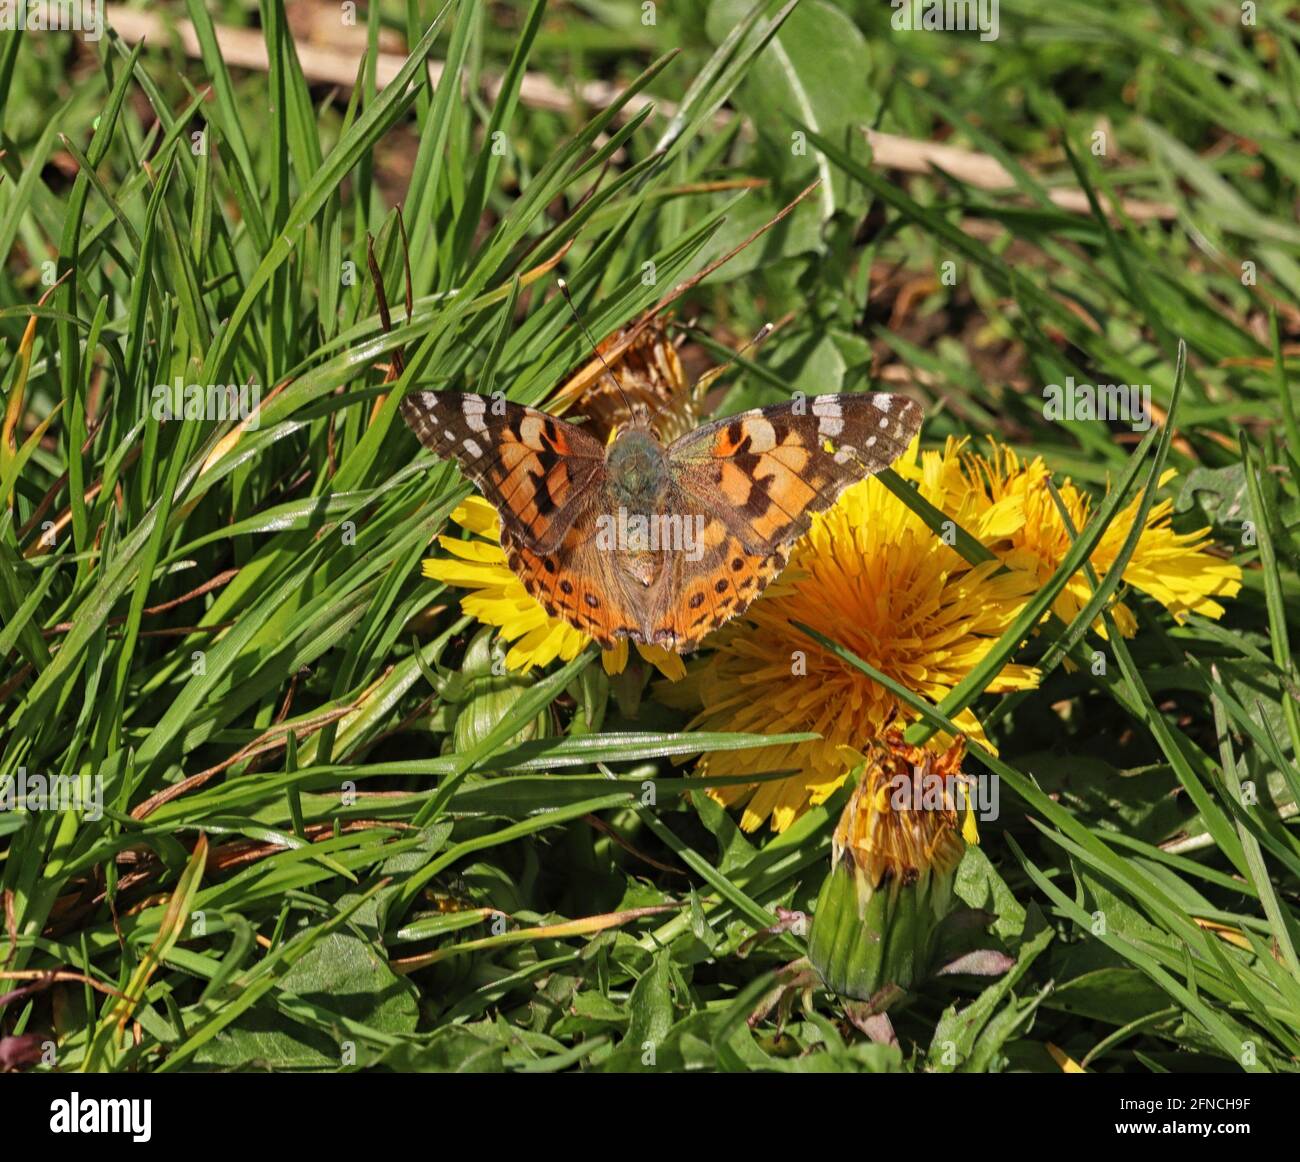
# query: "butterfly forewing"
766 472
546 479
760 476
536 470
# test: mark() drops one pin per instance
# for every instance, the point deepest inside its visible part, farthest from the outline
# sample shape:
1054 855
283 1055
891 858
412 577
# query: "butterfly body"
659 543
637 470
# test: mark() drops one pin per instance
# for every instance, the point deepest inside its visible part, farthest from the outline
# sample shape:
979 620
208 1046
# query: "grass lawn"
296 774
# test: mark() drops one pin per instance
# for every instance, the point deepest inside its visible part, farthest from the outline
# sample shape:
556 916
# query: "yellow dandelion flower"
497 597
1173 568
873 577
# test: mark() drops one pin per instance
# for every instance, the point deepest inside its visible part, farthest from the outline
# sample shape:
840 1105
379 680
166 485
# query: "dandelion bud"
485 695
894 856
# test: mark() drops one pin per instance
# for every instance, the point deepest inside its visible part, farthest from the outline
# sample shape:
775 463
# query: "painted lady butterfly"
659 543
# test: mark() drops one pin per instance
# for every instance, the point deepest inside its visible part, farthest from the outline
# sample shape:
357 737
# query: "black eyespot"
566 588
548 564
738 564
722 586
696 601
592 600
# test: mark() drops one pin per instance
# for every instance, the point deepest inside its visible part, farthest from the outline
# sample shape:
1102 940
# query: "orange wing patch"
577 584
534 469
766 472
698 597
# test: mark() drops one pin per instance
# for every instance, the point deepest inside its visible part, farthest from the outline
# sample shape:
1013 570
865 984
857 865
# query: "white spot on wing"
762 436
530 431
829 414
474 407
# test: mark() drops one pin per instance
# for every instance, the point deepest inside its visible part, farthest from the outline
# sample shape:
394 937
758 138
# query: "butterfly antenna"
568 298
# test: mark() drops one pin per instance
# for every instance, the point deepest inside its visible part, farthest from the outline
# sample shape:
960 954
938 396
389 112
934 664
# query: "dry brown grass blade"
587 926
337 65
890 151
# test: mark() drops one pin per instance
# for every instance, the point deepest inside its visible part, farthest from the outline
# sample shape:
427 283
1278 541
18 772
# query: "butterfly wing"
768 471
760 477
546 480
580 582
699 592
538 472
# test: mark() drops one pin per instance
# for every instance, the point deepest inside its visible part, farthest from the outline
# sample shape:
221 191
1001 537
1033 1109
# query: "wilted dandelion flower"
873 577
638 367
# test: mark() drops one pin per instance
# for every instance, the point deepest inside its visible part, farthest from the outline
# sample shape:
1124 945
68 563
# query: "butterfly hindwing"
579 583
536 470
695 597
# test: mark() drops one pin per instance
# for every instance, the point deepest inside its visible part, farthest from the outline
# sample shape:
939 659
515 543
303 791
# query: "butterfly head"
641 420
